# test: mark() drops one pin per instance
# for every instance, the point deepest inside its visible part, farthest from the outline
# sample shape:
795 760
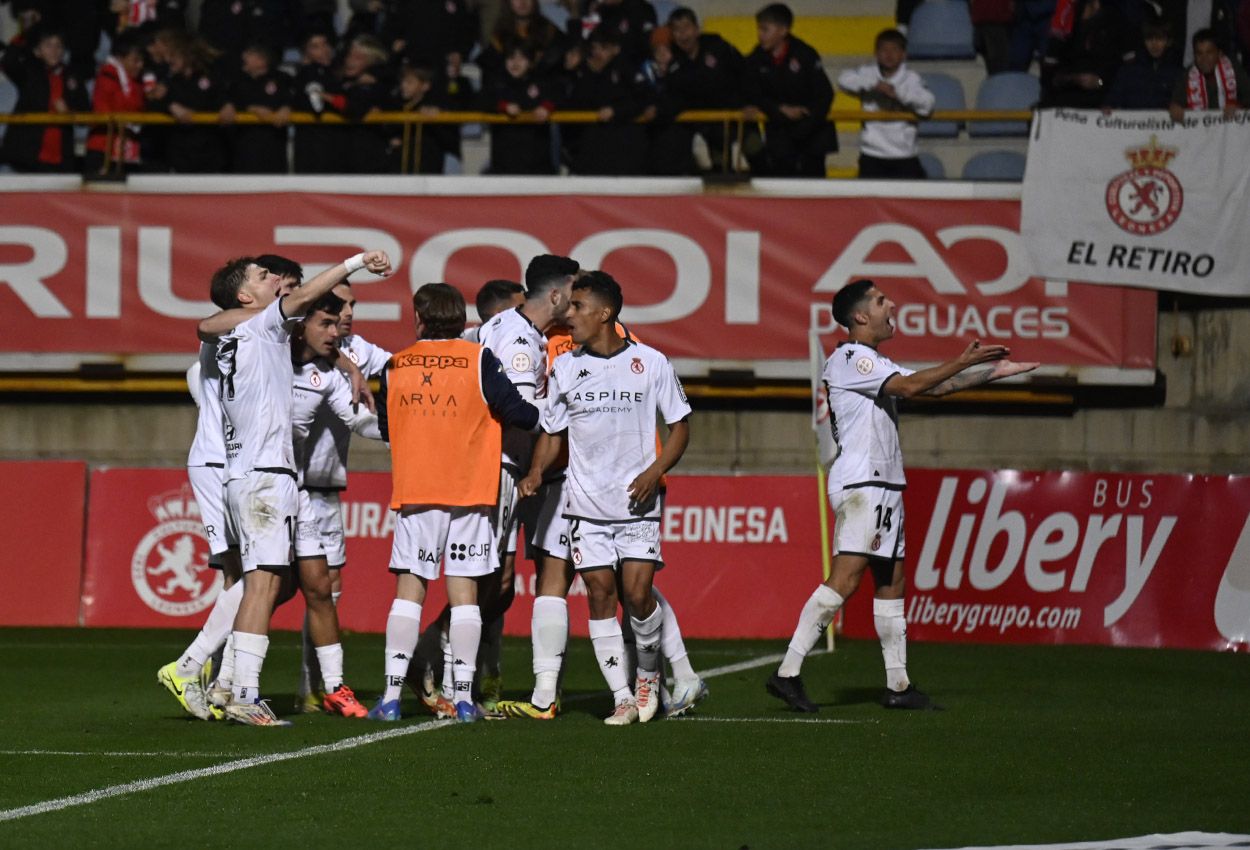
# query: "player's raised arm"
220 324
303 297
938 380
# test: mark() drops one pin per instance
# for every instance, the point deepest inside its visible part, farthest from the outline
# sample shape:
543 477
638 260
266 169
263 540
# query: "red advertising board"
993 557
708 279
41 542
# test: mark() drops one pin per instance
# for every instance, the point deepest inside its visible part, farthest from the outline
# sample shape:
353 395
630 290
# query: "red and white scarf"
139 12
1196 86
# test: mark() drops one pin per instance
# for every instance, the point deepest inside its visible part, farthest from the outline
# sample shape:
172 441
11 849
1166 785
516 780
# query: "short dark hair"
517 45
281 266
328 303
603 35
775 13
847 299
1206 34
493 295
309 35
683 13
261 49
603 286
891 35
1156 27
228 280
547 271
440 306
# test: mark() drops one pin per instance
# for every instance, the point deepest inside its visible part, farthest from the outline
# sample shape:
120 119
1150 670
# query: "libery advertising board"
993 557
713 281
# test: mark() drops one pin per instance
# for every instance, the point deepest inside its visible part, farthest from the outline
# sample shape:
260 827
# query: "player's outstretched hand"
1007 368
378 263
529 485
642 489
977 353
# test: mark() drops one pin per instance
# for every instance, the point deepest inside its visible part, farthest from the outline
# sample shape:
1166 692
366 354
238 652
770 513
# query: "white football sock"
225 676
887 614
549 633
647 640
403 627
818 612
609 643
330 660
249 657
671 644
464 634
216 629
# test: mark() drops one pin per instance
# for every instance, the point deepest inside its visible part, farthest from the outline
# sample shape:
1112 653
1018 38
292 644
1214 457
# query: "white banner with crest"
1133 198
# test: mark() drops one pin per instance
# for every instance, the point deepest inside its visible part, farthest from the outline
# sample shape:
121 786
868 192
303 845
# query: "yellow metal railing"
413 122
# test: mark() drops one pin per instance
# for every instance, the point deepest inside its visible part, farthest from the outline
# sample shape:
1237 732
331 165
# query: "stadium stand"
1010 90
941 29
949 94
933 167
995 165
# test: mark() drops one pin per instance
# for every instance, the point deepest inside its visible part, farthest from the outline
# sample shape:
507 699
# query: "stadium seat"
8 100
949 94
933 167
1009 90
663 8
940 29
555 13
1007 166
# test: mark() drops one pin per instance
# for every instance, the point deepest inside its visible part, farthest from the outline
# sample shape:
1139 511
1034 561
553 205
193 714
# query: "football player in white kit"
325 478
603 400
253 355
322 391
866 483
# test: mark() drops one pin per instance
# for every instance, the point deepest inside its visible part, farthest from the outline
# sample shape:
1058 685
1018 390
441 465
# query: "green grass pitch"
1037 745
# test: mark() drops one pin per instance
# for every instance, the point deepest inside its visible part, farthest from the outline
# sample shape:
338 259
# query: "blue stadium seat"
555 13
940 29
663 8
8 100
933 167
1006 166
949 94
1009 90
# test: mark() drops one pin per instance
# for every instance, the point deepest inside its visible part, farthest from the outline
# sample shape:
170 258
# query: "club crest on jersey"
577 557
863 365
169 567
315 379
521 362
636 366
876 543
1147 199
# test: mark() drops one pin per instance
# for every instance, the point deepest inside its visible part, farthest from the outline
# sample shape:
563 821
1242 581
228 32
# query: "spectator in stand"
520 148
1030 33
265 92
144 15
192 88
1147 81
520 22
630 20
1079 69
670 144
785 80
706 74
36 65
319 149
365 84
426 148
991 32
887 149
1214 81
76 22
605 84
316 15
423 32
455 93
118 88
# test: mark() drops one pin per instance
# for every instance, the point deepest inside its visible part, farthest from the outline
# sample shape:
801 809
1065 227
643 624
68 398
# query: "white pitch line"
216 770
115 754
704 719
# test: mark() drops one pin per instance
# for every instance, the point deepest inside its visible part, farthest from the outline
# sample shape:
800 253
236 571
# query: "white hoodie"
888 139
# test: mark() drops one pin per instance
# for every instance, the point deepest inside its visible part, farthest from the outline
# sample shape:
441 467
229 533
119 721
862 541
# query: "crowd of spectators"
613 58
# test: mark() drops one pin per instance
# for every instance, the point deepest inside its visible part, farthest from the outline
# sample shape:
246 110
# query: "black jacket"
22 142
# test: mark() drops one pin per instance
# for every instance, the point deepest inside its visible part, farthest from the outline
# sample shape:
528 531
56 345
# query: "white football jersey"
609 405
329 438
522 349
863 418
209 446
323 393
255 364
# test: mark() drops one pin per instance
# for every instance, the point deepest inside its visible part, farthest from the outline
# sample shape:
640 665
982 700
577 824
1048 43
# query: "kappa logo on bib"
169 567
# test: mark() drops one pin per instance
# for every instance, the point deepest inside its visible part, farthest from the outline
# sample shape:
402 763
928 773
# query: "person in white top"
253 336
603 400
325 477
493 298
887 149
866 482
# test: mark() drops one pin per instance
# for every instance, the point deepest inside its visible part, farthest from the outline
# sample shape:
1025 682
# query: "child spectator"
44 84
426 148
520 22
266 93
365 85
706 74
118 88
1147 81
320 148
603 83
887 149
520 148
193 87
670 149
